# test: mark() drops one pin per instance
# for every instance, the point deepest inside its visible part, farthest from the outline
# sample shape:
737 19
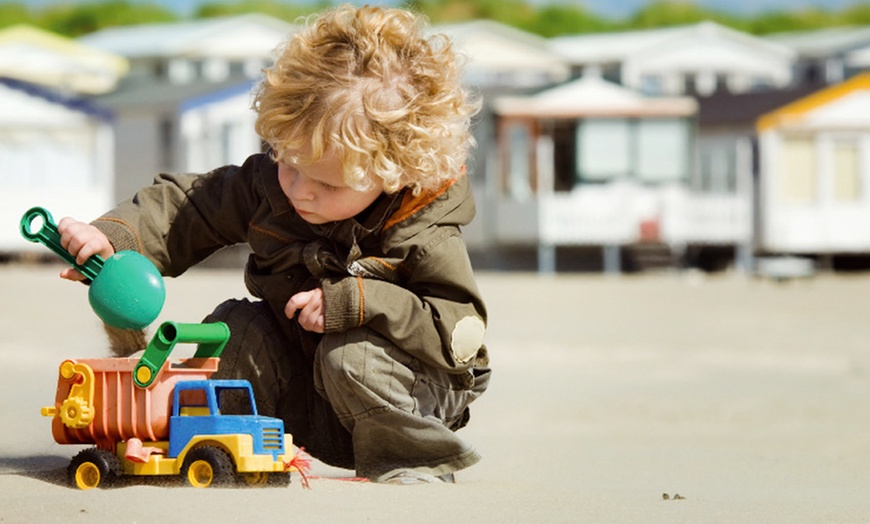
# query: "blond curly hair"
368 84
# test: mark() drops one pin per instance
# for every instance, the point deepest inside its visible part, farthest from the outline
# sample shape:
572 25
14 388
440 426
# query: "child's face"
318 193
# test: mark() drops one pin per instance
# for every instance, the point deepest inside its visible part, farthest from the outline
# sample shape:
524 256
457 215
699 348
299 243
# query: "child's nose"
301 189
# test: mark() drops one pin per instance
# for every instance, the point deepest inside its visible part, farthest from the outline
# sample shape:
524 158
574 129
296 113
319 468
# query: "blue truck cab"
196 412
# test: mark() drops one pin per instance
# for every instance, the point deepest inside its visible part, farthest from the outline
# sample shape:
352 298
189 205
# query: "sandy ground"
747 398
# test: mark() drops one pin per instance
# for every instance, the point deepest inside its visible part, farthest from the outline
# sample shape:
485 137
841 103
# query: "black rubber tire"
94 468
278 479
208 466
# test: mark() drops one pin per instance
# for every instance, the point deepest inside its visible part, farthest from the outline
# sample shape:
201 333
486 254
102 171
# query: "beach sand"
746 397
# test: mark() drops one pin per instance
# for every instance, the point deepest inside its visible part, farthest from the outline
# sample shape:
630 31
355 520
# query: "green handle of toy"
212 338
49 236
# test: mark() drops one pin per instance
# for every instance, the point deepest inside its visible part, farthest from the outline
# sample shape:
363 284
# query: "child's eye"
329 187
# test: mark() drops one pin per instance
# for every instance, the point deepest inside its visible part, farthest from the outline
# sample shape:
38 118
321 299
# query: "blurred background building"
695 145
57 145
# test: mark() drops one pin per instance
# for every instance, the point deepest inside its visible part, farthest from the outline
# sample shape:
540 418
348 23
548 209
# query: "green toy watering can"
126 291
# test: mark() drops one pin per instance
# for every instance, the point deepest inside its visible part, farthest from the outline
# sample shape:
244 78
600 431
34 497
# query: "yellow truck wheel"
208 466
256 478
261 478
93 468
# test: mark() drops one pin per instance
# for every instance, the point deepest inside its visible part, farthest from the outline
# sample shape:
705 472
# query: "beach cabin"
56 152
815 173
186 105
591 163
727 171
503 58
696 59
172 128
56 145
210 49
42 58
828 55
499 60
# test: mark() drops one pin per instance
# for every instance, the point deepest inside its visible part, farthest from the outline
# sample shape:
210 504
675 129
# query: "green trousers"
360 403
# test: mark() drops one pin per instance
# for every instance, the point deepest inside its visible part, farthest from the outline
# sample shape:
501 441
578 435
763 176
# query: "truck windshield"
234 401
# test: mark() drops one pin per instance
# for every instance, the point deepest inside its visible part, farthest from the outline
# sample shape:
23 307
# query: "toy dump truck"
152 416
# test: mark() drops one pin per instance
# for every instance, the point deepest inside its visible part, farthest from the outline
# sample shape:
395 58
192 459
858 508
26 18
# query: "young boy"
367 338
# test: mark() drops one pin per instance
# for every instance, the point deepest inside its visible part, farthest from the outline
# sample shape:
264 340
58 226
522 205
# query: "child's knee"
360 360
341 356
239 315
356 352
255 341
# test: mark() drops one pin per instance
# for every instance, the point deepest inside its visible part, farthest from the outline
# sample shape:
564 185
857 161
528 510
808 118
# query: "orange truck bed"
98 402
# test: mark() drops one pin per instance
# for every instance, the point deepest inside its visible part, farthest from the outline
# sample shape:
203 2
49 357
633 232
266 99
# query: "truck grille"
273 439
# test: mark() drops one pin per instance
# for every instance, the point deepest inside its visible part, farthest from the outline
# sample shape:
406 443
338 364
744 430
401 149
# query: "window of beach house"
690 84
180 71
760 83
662 150
847 171
603 149
166 142
798 180
215 69
519 162
718 166
652 84
253 68
564 133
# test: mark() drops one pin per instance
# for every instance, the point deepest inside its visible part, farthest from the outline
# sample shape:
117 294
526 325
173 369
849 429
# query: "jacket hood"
451 205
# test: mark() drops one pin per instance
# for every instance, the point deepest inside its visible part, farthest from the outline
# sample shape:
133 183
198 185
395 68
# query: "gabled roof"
592 96
25 104
600 48
846 104
724 108
164 96
824 42
44 58
235 37
218 95
493 46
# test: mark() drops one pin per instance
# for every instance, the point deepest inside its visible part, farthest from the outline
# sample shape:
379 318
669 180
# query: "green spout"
211 339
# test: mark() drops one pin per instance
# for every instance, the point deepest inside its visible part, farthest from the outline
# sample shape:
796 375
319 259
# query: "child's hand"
82 240
310 307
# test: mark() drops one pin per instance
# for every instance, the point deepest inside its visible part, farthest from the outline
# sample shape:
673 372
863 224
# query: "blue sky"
609 8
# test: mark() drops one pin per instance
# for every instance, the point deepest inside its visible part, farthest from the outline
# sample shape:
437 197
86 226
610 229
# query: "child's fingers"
71 274
296 302
94 246
307 306
311 317
83 240
290 309
82 250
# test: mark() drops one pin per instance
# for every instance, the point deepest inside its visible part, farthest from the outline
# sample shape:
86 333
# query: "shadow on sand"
47 468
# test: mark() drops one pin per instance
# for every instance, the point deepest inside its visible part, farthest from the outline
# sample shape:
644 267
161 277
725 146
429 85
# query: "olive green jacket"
400 268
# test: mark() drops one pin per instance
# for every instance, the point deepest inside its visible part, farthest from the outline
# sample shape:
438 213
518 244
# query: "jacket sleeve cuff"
344 304
119 234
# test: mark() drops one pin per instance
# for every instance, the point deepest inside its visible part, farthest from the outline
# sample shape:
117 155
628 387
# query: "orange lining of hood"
412 204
